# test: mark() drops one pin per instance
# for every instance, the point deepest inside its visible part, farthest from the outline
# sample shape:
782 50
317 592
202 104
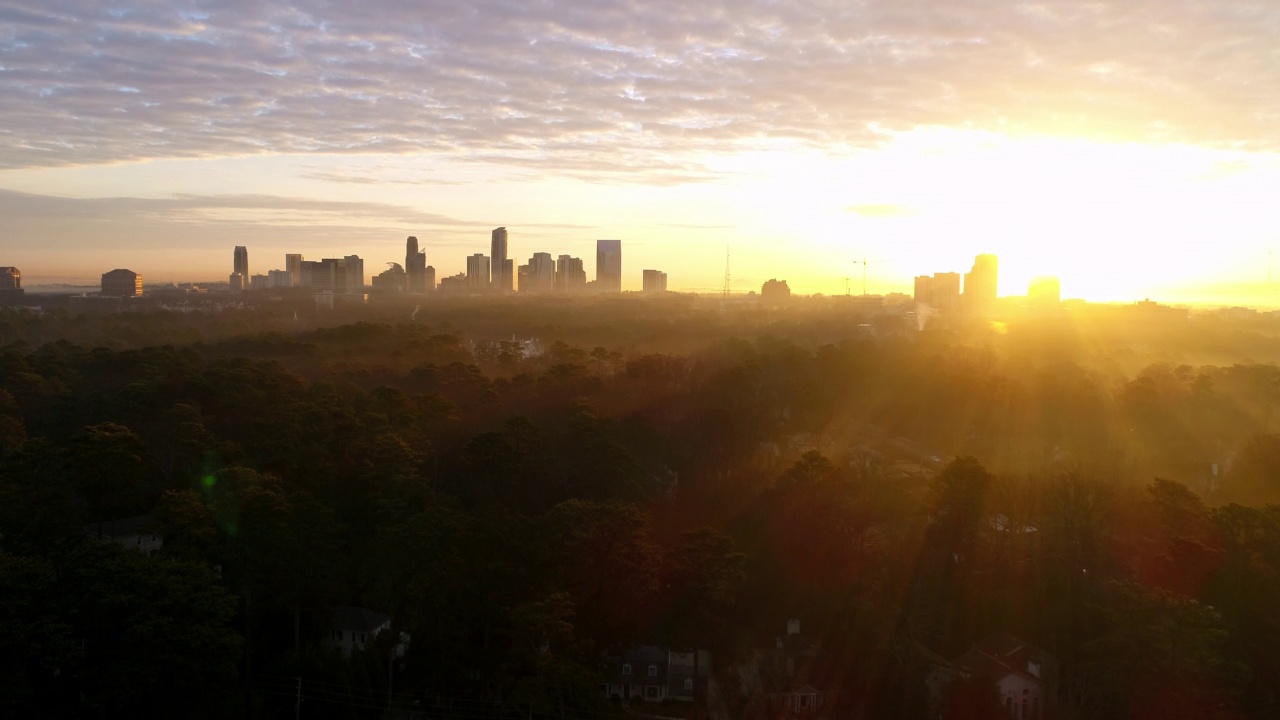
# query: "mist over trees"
528 487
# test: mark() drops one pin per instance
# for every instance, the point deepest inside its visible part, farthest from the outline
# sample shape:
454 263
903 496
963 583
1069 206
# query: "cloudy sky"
1131 147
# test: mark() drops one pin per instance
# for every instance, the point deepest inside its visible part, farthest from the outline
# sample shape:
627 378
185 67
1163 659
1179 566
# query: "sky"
1131 148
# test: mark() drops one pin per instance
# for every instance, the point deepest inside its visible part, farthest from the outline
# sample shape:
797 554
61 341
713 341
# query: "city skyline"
880 132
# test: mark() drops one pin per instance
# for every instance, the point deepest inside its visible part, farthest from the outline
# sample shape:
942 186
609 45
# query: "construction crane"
863 263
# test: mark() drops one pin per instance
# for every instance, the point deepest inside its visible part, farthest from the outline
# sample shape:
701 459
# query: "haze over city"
1128 148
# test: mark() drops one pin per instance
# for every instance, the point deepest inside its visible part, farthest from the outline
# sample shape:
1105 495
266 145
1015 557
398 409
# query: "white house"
355 627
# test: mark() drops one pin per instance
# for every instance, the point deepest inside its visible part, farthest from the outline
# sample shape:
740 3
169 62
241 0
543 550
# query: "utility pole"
297 701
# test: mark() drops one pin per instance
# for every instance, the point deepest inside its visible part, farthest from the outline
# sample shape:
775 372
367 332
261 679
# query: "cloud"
618 86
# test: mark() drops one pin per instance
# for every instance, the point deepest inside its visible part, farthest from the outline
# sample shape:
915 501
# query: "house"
354 628
130 532
655 674
1025 675
804 700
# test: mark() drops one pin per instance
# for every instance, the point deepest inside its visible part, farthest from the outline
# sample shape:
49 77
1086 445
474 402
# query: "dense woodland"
526 487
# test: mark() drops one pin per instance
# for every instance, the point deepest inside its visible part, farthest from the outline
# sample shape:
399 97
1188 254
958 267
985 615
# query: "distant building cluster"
497 272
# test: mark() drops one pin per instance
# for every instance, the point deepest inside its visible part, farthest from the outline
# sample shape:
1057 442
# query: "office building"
258 282
946 292
415 266
775 292
570 275
279 279
655 281
355 274
390 280
478 273
236 282
241 260
981 284
121 283
454 284
609 265
924 290
539 276
11 292
429 278
293 266
500 281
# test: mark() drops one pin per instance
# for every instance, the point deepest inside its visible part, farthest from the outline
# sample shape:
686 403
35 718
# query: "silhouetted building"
121 283
655 281
478 274
429 278
570 275
775 292
293 266
540 275
946 292
307 270
415 266
981 285
454 284
355 274
11 292
258 282
278 279
924 290
609 265
241 261
501 280
390 280
1045 292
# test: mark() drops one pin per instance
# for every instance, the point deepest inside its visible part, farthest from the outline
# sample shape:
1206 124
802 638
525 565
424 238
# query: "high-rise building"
355 274
541 274
390 280
11 292
121 283
655 281
293 266
415 265
429 278
258 282
570 275
307 271
500 281
241 260
279 278
775 292
478 274
924 290
609 265
946 292
981 285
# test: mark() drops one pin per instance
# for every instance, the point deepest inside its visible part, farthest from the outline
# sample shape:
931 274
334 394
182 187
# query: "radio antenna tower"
724 294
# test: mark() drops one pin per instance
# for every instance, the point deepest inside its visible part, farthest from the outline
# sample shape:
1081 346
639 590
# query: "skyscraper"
241 262
415 266
946 291
478 274
609 265
501 281
980 285
355 274
655 281
540 275
924 290
570 275
293 266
